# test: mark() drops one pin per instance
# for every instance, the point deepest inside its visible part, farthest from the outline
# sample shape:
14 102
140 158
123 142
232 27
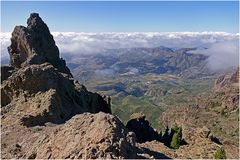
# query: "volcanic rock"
34 44
43 110
6 71
198 147
227 80
85 136
142 128
228 86
41 87
42 94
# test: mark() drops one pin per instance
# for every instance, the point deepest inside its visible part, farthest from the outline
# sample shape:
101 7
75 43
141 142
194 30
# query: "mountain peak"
35 23
34 44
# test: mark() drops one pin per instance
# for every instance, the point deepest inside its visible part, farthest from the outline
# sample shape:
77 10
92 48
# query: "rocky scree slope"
39 99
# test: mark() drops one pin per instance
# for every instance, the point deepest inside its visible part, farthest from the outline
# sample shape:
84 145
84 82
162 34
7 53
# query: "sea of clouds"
221 47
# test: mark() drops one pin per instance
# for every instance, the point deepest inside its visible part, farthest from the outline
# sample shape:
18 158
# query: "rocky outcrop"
85 136
43 110
235 76
52 95
6 71
35 45
41 82
228 86
142 128
227 80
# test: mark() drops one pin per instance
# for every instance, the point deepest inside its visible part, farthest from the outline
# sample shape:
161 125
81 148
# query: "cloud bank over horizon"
221 47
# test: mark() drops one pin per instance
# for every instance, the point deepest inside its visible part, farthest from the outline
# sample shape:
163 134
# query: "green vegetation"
131 104
157 97
220 154
149 93
175 143
177 137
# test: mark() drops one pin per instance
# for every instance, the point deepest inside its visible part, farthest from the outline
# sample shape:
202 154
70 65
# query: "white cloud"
220 44
222 55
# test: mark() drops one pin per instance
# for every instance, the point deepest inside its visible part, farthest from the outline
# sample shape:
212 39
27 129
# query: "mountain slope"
39 99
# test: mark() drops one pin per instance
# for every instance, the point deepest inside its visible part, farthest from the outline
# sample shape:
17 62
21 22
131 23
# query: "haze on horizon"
91 27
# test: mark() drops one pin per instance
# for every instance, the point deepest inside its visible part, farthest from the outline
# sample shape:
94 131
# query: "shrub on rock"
220 154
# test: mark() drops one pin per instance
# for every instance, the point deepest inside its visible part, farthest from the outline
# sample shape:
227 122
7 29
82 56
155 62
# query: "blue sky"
160 16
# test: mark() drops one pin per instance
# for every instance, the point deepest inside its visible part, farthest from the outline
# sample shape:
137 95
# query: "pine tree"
176 138
175 143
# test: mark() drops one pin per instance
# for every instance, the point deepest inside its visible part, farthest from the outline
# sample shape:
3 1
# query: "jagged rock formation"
142 128
41 94
228 85
42 79
35 45
39 99
227 80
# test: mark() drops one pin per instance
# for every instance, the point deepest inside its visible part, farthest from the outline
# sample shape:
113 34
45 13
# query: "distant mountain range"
138 61
144 79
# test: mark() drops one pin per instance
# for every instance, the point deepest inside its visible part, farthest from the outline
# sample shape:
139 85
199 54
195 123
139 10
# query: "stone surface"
43 110
196 147
41 87
87 136
227 80
217 112
6 71
142 128
46 95
34 44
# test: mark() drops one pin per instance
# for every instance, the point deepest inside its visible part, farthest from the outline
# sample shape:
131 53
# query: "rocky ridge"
43 110
35 45
43 79
45 114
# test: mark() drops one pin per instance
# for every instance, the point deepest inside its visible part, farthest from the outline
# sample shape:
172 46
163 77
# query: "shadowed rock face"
142 128
34 44
38 83
6 71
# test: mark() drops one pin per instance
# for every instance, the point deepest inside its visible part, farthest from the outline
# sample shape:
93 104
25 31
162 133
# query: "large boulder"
85 136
